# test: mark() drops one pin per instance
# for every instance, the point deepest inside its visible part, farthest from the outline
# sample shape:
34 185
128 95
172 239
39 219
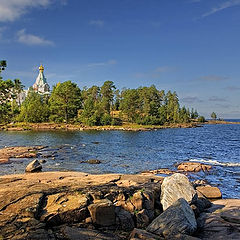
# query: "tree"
214 116
65 101
17 89
201 119
130 104
107 94
33 109
6 95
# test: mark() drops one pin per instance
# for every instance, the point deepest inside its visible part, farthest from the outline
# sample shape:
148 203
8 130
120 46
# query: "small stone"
210 192
34 166
125 219
102 212
142 219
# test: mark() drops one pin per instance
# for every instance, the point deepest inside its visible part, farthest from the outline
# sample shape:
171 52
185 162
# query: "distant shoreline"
80 127
124 127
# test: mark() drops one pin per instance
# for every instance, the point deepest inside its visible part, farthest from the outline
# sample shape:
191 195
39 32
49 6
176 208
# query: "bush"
201 119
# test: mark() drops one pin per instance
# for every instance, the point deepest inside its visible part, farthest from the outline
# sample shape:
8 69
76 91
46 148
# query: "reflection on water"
131 152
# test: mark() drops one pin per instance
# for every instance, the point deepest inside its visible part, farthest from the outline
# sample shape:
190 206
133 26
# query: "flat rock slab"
222 221
18 152
72 233
33 205
210 192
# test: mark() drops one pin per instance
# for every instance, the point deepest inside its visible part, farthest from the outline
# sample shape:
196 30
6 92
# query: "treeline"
93 106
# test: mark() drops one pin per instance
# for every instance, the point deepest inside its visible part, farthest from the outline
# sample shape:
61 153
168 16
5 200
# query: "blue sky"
187 46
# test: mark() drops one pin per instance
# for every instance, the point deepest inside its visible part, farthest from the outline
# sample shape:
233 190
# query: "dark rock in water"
178 218
34 166
42 161
175 187
92 161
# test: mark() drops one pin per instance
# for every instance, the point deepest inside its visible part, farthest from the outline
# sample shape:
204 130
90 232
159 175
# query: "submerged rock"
92 161
34 166
175 187
178 218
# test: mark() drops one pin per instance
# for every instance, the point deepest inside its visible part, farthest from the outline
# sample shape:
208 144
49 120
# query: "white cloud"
99 64
31 39
98 23
11 10
222 6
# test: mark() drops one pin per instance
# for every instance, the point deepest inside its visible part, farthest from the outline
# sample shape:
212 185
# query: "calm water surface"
132 152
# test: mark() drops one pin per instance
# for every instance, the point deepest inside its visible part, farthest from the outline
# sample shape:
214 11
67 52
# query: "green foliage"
214 116
33 109
201 119
130 104
65 101
93 106
6 95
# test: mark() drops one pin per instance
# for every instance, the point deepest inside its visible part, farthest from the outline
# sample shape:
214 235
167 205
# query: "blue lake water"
133 152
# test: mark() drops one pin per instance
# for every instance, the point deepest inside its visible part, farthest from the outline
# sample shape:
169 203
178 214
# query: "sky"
188 46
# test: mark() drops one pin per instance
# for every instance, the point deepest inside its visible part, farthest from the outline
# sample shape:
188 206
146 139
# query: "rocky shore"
75 205
80 127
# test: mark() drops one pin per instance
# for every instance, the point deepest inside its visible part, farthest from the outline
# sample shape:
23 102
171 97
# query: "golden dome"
41 68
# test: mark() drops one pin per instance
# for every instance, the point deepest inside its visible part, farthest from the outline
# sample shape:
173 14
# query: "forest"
93 106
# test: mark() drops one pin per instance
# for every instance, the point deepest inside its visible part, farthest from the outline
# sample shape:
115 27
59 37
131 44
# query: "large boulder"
175 187
34 166
102 212
177 219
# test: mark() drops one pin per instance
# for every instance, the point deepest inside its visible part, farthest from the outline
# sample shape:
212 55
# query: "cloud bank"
31 39
11 10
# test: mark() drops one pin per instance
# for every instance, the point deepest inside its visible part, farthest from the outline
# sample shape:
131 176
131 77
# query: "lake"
133 152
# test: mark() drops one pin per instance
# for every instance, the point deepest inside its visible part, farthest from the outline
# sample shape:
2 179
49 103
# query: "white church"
40 86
